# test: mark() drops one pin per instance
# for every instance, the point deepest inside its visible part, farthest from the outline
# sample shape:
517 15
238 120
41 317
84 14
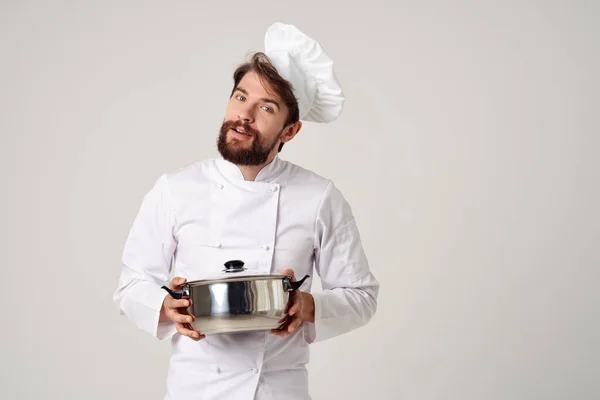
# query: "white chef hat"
301 61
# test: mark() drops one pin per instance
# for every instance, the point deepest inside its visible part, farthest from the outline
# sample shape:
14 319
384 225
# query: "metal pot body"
238 304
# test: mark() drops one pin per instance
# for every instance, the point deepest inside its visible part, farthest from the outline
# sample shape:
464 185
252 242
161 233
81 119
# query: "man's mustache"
243 125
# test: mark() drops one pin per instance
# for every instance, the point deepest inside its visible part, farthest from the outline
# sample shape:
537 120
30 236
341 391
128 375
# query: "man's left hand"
301 307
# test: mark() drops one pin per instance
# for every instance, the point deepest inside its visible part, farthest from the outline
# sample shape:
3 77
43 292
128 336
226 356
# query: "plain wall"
467 148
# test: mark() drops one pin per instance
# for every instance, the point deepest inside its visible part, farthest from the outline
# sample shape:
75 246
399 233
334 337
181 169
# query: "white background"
467 149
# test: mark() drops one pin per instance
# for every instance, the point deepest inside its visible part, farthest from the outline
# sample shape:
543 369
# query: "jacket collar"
268 173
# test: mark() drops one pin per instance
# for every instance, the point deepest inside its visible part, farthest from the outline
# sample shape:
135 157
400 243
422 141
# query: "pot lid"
234 271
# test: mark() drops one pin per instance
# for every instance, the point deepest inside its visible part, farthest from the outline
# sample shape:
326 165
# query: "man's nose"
246 114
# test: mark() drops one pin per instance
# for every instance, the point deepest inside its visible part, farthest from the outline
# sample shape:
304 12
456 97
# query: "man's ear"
290 132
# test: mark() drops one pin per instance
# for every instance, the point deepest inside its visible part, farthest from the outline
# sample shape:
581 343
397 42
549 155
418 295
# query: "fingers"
177 312
180 318
292 318
294 324
177 281
288 328
174 303
289 271
183 322
294 304
278 332
189 331
294 308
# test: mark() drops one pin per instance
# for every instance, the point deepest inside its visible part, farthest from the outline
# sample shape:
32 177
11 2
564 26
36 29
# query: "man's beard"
256 154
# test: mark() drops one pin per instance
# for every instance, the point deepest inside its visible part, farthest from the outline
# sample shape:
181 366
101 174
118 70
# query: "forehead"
256 87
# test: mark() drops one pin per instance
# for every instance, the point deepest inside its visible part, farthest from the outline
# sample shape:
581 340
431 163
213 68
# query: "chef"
250 204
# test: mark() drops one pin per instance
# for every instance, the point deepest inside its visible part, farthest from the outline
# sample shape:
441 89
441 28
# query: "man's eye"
241 98
268 109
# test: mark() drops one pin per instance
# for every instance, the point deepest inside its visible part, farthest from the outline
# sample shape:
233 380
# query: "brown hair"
261 65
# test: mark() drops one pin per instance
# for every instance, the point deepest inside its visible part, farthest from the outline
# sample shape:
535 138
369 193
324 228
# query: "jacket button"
220 186
273 188
265 247
217 244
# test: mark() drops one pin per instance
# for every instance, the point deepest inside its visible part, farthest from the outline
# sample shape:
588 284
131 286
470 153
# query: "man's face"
253 123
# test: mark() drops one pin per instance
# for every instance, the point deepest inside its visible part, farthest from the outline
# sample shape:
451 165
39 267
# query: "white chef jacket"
196 218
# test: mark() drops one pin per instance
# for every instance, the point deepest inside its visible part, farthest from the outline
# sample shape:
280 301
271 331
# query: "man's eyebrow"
264 99
275 102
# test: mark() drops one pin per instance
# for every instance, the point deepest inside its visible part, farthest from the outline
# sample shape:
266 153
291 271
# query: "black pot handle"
296 285
176 294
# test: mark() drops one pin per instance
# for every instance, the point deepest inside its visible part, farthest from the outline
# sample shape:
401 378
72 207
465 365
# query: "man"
252 205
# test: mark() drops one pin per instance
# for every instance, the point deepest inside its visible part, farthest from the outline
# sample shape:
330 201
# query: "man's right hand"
176 311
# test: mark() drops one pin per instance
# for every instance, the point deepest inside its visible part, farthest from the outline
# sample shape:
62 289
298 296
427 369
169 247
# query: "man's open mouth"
241 131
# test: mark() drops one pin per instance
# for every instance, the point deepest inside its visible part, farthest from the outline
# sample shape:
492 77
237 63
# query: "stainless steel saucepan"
237 301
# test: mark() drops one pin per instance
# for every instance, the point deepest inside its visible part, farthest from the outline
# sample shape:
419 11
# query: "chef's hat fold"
301 61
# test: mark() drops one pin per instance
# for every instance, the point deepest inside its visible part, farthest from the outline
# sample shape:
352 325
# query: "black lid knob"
234 266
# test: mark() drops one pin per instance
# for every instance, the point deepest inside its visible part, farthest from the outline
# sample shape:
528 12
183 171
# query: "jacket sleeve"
146 263
349 296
